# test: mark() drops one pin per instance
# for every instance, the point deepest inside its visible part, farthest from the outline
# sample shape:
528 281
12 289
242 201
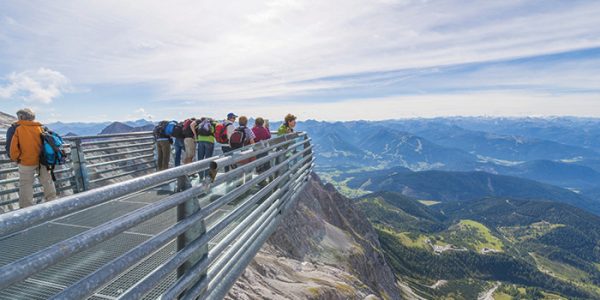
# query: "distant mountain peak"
138 123
116 127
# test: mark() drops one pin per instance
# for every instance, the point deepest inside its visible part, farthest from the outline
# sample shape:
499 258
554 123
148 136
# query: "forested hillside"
548 247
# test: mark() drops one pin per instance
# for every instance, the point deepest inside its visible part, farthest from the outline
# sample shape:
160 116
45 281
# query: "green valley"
470 245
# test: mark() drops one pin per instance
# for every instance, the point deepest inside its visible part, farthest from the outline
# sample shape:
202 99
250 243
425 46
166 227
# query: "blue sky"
327 60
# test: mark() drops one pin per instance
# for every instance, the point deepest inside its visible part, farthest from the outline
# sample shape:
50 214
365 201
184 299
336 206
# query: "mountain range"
440 144
446 208
81 128
118 127
508 214
540 151
582 132
549 150
444 186
523 249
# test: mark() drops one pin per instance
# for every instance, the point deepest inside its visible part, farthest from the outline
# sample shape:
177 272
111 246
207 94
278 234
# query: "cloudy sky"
327 60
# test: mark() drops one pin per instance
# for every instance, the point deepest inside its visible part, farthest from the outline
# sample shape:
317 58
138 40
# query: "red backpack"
221 133
186 123
238 138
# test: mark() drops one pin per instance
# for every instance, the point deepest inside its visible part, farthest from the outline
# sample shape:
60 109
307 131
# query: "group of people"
190 138
196 137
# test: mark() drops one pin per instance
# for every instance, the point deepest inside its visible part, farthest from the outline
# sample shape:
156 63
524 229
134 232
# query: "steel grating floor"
54 279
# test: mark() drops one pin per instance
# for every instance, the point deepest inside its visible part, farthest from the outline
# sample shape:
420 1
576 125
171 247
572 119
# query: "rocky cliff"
325 249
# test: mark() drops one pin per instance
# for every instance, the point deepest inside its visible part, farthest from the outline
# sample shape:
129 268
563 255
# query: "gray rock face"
325 249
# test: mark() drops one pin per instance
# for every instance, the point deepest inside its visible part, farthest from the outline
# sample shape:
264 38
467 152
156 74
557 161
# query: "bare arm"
193 127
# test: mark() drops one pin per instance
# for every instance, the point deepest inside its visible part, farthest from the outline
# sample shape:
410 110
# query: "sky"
327 60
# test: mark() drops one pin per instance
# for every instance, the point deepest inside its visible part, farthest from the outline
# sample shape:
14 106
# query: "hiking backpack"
204 128
187 128
9 135
238 138
53 152
159 130
169 127
178 131
221 132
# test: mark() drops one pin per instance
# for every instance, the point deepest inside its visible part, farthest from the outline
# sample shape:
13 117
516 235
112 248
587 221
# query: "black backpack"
9 135
238 138
178 131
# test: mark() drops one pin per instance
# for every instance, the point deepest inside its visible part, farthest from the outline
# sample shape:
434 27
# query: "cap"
231 115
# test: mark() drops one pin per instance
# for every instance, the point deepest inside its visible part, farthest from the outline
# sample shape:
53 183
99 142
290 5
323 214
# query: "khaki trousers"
190 150
26 180
164 155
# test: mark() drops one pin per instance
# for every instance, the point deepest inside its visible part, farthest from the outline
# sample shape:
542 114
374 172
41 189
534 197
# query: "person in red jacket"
25 149
261 132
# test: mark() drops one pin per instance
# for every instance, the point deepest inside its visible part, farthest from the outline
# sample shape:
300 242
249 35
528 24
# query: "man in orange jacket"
25 149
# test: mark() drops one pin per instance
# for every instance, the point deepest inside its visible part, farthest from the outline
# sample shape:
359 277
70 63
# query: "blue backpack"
169 128
53 152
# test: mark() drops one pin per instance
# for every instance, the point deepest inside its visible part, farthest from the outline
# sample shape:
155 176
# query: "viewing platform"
123 231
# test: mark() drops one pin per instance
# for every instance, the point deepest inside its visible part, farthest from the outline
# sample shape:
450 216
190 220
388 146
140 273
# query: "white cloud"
486 103
433 105
254 49
41 85
140 113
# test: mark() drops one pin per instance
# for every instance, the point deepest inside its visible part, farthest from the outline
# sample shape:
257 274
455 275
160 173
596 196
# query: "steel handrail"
104 136
117 168
141 288
120 153
223 283
122 174
78 152
187 280
118 147
43 258
13 221
292 155
117 141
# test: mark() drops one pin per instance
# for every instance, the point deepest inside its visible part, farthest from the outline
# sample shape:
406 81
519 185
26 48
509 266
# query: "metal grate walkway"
49 282
155 236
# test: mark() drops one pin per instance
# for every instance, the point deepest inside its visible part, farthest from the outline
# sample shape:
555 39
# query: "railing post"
183 211
281 159
79 166
155 151
306 145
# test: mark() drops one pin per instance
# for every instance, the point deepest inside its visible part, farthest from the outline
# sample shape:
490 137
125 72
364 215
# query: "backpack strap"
47 137
51 169
242 129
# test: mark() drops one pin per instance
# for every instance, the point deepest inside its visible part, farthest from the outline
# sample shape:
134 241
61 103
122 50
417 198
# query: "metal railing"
103 159
209 227
9 178
92 161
